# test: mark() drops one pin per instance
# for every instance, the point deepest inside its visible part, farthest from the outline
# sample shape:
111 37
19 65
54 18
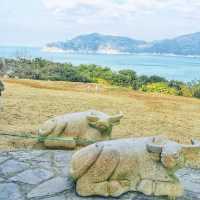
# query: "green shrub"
159 87
196 91
185 91
124 78
156 79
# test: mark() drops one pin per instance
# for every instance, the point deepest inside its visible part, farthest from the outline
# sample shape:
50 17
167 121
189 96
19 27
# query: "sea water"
184 68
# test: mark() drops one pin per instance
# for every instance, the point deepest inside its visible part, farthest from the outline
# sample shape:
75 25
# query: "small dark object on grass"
1 87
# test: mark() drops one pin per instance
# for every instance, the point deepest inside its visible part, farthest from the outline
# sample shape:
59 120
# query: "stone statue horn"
195 142
116 118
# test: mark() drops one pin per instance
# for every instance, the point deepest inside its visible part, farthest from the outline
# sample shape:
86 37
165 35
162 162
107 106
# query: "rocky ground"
43 175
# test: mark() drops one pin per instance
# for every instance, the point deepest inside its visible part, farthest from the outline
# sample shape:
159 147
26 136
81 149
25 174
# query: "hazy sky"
36 22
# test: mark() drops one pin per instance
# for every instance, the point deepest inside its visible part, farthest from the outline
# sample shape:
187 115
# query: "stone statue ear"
154 148
92 118
157 144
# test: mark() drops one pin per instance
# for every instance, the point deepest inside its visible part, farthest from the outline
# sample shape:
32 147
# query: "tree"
156 79
140 81
125 78
195 88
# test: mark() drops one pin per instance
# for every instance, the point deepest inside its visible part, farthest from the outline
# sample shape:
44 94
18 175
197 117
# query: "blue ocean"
184 68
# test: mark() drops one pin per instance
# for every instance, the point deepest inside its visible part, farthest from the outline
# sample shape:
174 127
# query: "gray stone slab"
32 176
62 157
127 196
10 191
58 197
11 167
2 179
62 160
50 187
190 180
3 159
48 180
26 155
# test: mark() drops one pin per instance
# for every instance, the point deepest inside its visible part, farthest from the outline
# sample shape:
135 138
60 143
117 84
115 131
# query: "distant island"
108 44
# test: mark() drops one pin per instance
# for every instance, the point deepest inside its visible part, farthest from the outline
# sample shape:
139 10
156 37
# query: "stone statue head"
102 121
174 155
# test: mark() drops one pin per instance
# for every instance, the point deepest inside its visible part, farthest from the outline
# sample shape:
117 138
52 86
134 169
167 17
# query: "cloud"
123 8
101 7
138 18
49 20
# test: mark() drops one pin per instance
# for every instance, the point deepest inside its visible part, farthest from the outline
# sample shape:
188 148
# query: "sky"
37 22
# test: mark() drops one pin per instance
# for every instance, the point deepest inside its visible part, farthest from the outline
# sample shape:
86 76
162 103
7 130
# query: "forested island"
109 44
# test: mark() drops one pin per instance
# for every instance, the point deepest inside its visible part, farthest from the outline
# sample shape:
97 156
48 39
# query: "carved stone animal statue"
146 165
71 128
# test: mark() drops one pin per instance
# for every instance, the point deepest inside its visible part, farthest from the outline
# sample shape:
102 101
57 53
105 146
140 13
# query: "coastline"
52 50
173 67
112 52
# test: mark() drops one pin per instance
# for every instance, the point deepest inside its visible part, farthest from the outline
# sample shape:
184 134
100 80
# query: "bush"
156 79
102 81
159 87
182 88
176 84
196 91
185 91
124 78
140 81
94 72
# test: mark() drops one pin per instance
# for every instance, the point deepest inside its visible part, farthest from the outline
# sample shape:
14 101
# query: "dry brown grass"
28 103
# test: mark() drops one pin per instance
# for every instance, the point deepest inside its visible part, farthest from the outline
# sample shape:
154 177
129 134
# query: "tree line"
41 69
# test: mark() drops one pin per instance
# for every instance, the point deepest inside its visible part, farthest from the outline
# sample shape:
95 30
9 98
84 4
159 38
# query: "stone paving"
43 175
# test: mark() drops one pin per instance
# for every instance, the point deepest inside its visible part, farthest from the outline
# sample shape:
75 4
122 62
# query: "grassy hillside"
40 69
28 103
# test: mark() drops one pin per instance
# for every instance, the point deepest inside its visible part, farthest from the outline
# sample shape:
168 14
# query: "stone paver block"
10 191
33 176
60 197
3 159
12 166
26 155
50 187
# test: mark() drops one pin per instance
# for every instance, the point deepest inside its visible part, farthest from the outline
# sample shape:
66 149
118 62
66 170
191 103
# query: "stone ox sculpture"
147 165
68 130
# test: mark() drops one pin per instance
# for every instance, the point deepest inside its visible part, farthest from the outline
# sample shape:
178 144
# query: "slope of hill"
184 45
27 103
98 43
